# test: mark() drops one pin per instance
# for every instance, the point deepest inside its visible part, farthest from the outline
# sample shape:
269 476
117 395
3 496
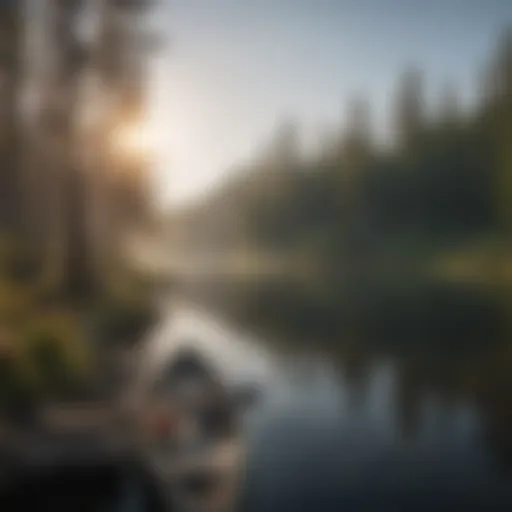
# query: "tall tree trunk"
10 81
70 216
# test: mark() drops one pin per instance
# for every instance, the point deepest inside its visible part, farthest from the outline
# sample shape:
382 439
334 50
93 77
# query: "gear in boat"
197 442
189 386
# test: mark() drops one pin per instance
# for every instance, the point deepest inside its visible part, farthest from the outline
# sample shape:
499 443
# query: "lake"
344 425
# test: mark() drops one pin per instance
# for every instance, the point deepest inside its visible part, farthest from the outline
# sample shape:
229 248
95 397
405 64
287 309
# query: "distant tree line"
447 176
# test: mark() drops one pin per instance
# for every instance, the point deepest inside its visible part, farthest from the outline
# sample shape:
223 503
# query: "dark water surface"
346 421
422 422
324 443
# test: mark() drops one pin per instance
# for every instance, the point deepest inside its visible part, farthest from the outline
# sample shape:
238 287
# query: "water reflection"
346 427
337 445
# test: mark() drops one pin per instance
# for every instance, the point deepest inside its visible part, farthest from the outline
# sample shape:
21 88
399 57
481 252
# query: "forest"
72 189
443 172
388 232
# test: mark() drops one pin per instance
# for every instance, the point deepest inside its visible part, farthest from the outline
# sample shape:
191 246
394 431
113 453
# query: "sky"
234 69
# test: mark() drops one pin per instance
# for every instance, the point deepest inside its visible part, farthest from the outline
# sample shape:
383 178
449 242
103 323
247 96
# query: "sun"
134 140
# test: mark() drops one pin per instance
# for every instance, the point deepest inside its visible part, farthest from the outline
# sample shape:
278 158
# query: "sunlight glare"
135 141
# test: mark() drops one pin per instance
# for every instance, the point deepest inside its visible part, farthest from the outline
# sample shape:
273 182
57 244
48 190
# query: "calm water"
324 443
344 430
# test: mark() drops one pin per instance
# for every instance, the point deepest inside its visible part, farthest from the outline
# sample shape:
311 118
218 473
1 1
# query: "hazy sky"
234 68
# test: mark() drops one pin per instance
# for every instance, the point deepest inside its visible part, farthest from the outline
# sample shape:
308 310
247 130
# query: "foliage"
123 321
446 176
55 352
127 308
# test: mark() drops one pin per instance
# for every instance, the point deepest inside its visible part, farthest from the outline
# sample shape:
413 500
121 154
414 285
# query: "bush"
56 355
14 385
124 320
127 309
15 303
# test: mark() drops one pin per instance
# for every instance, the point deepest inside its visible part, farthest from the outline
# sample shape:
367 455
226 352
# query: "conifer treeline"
445 175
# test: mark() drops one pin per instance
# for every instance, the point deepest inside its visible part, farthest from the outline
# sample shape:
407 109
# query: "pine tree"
409 113
449 112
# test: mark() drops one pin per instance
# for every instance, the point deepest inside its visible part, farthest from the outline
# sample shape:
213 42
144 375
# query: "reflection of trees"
483 378
491 388
418 375
409 394
355 366
498 432
479 375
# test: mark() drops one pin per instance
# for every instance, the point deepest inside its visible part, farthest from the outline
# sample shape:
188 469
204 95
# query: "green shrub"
127 309
14 385
56 355
16 303
123 320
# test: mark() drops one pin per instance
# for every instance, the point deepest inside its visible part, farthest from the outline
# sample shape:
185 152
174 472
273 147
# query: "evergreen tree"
409 110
